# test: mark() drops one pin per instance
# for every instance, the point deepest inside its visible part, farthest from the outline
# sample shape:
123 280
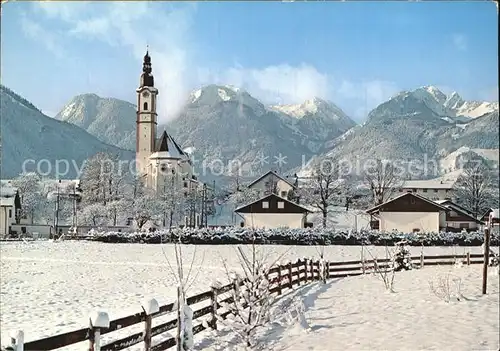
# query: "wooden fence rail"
281 278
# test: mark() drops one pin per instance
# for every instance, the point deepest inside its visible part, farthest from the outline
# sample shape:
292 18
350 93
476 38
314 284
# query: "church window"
145 106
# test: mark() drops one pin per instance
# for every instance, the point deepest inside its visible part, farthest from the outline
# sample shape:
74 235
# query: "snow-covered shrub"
385 272
446 287
494 259
402 257
250 306
306 236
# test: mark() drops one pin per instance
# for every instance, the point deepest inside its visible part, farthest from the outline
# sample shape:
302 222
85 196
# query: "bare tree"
383 180
29 187
143 204
324 188
102 179
474 188
250 306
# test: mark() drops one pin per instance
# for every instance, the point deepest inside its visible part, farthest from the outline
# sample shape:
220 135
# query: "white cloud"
177 69
460 41
280 83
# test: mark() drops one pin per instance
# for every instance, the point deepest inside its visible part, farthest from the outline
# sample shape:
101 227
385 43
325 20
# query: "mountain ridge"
31 139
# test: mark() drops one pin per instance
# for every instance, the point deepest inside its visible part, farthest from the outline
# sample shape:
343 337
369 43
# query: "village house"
459 218
10 207
272 183
408 213
273 211
433 189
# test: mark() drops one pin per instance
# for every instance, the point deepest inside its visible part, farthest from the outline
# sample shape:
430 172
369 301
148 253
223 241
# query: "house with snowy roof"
407 213
433 189
10 206
459 218
273 183
273 211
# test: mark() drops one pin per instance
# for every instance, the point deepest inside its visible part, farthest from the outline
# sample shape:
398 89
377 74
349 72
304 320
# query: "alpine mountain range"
227 123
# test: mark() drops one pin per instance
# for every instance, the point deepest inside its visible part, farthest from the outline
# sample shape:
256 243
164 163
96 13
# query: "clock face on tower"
145 94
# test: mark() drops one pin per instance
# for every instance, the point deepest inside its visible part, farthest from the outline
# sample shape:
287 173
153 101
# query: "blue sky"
356 54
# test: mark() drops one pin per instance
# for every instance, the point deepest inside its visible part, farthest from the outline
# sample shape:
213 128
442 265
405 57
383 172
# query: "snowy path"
357 313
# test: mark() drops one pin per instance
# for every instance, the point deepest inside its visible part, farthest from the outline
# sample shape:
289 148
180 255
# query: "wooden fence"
282 278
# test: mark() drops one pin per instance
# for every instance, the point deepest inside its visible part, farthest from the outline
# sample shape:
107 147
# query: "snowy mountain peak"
433 92
212 95
312 106
216 93
454 101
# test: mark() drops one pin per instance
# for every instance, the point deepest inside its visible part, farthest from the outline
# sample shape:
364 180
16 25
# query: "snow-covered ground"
357 313
51 287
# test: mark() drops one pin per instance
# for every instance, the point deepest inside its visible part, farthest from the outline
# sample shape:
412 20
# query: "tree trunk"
325 214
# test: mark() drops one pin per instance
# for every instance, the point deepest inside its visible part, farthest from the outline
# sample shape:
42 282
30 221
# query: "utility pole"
74 208
57 209
486 253
172 204
165 198
202 219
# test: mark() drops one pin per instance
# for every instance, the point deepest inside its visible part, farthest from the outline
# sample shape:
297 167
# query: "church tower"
146 117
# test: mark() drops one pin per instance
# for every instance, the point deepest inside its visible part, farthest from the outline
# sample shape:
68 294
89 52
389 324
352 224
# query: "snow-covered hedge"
312 236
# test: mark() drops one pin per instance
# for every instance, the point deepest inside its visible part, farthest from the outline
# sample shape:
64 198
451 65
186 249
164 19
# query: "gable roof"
167 147
428 184
432 203
462 211
451 203
274 173
247 208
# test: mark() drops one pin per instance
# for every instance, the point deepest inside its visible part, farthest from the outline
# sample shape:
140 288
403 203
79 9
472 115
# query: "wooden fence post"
305 269
213 322
298 271
150 307
179 324
311 264
486 258
279 279
17 340
327 263
421 259
98 321
321 276
467 258
375 266
363 269
290 275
